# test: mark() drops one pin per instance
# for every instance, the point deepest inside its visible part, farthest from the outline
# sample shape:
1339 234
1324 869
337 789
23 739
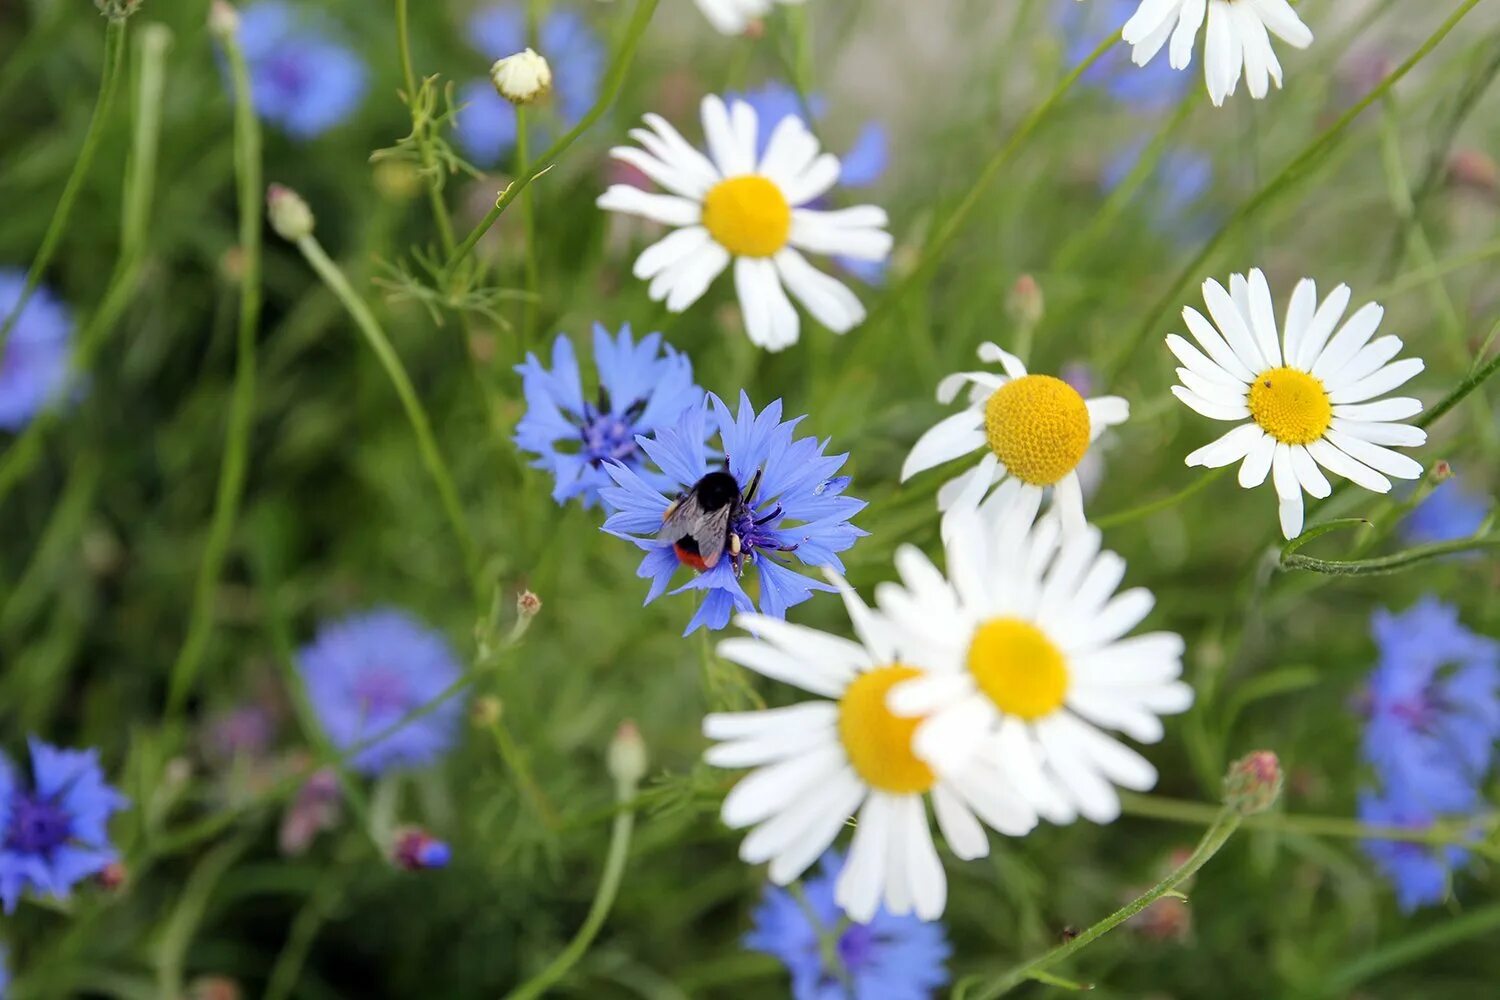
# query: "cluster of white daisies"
994 686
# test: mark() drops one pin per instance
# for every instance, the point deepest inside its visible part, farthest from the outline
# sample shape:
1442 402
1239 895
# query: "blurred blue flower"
55 827
417 850
302 78
862 165
34 365
1434 707
367 672
798 508
642 387
486 125
890 958
1419 872
1148 87
1447 514
1173 193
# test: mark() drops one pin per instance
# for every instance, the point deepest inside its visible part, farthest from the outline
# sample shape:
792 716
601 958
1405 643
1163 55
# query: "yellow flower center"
878 742
1290 405
1039 427
748 216
1019 668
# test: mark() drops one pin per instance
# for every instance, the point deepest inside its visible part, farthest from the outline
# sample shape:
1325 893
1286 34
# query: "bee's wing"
709 530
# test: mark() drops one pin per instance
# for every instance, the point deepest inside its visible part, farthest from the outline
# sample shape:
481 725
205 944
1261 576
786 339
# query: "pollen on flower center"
1038 426
1019 668
878 742
748 216
1290 405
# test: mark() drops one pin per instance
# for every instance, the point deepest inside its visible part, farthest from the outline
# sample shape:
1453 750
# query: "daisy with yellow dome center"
746 209
1027 660
1307 397
819 764
1034 429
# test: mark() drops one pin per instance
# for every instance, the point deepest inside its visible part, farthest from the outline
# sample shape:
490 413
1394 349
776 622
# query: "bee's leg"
736 553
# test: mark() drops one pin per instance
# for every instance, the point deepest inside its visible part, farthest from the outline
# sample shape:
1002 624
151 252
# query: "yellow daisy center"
877 741
748 216
1019 668
1039 427
1290 405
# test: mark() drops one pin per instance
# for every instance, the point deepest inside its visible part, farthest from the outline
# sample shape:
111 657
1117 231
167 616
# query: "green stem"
515 760
1165 503
1475 379
1476 923
1299 168
1214 838
1393 563
431 173
1203 814
303 931
241 417
828 938
528 225
114 60
604 899
416 415
613 82
954 224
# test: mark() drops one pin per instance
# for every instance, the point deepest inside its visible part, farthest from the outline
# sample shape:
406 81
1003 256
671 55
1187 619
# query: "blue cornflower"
1148 87
367 672
1420 873
862 165
1173 193
302 78
486 125
1434 707
34 364
55 827
797 508
642 387
1447 514
890 958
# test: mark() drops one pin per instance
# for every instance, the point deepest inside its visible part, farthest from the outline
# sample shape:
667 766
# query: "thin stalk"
515 760
420 126
303 931
241 419
604 899
528 225
954 224
1300 167
1214 838
1165 503
416 414
1394 563
613 82
1474 924
109 82
1203 814
828 938
1475 379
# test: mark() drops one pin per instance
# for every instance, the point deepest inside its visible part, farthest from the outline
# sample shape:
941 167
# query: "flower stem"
1299 168
613 82
1165 503
109 81
247 158
420 127
828 937
956 220
416 415
1222 828
604 899
515 760
528 224
1394 563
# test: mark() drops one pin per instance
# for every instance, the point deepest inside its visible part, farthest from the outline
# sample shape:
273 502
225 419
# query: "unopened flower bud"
417 850
396 180
290 216
1025 303
528 605
486 711
1475 169
1441 471
117 10
214 988
1253 783
627 759
223 19
112 877
523 77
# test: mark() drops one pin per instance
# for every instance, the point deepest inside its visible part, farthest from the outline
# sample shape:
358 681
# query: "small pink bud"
1253 783
1026 304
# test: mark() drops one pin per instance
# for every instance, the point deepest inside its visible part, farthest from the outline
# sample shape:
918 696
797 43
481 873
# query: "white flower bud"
223 19
290 216
523 77
627 758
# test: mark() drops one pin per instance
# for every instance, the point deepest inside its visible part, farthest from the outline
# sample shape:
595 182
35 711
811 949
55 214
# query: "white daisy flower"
1238 39
1027 660
1308 396
820 763
736 205
732 17
1035 429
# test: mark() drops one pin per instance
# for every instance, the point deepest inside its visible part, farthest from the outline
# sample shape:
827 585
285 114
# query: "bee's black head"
715 490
